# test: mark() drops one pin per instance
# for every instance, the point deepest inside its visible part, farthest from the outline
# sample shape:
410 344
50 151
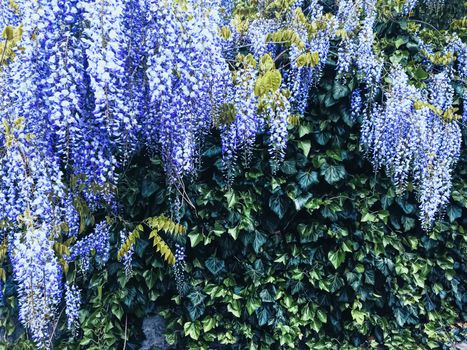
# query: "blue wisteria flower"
127 257
241 133
38 276
95 243
412 139
73 302
185 68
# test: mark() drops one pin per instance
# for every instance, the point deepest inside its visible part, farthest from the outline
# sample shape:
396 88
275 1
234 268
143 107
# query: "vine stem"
126 328
54 329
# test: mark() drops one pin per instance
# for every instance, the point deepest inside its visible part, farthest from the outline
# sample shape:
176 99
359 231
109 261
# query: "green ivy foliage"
322 255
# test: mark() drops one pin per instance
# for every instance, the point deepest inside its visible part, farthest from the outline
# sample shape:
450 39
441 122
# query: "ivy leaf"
335 283
266 296
215 265
195 238
231 198
408 223
192 330
454 212
277 203
339 91
358 316
234 308
321 315
301 201
252 305
368 217
258 242
304 129
117 310
263 316
208 324
336 257
195 311
306 179
401 316
333 173
196 297
148 187
322 138
329 101
305 146
289 168
370 277
400 41
405 205
420 74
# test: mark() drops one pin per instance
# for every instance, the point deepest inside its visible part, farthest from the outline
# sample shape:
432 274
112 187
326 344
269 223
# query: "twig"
126 327
54 329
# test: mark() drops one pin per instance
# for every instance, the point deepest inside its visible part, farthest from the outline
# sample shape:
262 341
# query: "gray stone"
154 330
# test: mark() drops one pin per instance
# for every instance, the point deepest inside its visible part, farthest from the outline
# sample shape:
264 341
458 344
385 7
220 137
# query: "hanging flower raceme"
128 256
31 179
240 121
185 67
73 303
95 243
179 268
441 150
308 56
418 138
257 33
394 136
38 276
356 104
276 109
356 47
108 49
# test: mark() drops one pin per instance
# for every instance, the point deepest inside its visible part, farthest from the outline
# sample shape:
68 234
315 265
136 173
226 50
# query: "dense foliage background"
320 255
323 254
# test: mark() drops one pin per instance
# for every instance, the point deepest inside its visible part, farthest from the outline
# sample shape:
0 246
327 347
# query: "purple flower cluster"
277 111
357 20
257 33
95 243
411 139
356 104
127 258
459 49
73 303
241 133
185 69
38 275
9 15
96 81
300 79
179 267
409 6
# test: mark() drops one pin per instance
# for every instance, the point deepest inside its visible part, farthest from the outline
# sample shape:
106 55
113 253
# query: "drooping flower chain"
412 137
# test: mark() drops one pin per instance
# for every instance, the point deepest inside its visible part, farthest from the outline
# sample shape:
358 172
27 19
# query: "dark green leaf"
215 265
306 179
333 173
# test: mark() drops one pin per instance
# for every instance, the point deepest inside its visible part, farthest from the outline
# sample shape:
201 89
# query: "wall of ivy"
320 255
